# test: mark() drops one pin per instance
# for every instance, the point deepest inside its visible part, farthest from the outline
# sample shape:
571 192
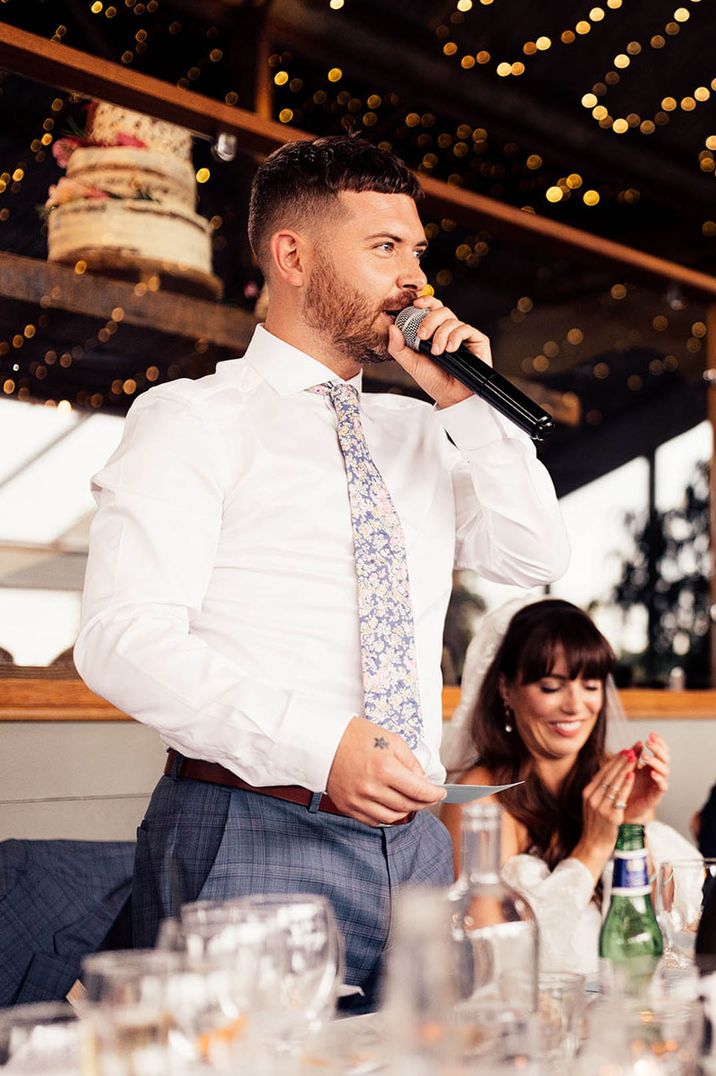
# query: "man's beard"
344 315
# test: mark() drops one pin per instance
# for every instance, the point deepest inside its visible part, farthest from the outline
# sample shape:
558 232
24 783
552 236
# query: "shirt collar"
285 368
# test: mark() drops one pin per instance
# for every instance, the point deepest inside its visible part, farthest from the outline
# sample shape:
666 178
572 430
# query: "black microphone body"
479 377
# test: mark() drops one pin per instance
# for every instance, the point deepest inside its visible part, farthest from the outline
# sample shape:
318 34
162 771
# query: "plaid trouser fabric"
58 900
204 841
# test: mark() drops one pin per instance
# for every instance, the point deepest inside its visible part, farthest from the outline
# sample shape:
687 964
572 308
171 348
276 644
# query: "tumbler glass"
42 1039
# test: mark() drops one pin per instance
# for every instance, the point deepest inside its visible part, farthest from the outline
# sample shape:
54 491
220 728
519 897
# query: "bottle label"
631 875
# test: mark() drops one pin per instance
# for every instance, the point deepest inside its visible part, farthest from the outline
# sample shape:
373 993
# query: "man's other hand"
375 777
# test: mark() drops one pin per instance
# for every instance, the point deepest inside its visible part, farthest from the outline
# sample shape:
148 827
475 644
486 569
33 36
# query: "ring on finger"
611 796
619 805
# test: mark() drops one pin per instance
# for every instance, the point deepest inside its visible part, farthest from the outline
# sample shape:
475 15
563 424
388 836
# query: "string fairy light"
707 164
622 61
531 47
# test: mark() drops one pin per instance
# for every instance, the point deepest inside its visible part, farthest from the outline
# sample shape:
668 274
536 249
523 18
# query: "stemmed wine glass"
681 887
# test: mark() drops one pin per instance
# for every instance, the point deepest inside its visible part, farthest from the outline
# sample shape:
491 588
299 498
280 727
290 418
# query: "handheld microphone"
480 377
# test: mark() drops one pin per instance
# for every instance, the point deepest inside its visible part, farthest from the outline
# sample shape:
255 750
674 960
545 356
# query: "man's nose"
412 277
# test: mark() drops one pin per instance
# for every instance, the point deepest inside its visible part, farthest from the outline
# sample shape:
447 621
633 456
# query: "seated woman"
540 716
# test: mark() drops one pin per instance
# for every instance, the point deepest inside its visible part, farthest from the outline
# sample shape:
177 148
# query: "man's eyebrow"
421 244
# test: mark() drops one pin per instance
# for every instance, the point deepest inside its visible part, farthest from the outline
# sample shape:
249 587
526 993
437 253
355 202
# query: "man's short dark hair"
301 179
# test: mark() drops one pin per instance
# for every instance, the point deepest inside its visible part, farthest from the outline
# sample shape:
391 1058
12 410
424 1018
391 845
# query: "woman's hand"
651 779
603 807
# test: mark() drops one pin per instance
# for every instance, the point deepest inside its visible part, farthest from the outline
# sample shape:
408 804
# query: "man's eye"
387 245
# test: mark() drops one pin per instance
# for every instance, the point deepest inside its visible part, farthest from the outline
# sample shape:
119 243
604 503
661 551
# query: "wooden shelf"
59 287
37 695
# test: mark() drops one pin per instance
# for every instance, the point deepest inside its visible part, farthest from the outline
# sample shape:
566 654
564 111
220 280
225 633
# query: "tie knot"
339 392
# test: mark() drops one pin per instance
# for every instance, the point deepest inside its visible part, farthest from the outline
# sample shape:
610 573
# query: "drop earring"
508 716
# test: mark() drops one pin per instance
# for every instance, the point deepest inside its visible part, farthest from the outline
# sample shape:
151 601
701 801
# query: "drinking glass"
496 1037
300 959
681 887
157 1012
354 1046
219 929
638 1036
41 1039
561 1007
421 984
126 1010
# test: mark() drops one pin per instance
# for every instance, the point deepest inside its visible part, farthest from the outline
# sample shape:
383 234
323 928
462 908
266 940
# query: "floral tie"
387 630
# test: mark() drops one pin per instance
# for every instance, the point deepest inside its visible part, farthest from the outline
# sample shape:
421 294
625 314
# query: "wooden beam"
516 223
70 69
59 65
58 286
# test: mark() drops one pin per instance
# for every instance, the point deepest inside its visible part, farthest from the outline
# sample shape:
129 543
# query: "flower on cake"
70 190
63 149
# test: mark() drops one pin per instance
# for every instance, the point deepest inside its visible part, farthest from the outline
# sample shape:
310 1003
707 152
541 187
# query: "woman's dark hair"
303 179
535 637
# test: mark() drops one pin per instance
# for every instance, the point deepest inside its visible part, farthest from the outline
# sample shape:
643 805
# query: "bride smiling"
540 716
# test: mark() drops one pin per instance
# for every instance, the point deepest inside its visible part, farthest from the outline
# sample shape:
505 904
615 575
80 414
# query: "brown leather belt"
197 769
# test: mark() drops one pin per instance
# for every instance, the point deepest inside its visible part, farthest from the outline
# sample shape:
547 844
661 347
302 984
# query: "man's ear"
288 257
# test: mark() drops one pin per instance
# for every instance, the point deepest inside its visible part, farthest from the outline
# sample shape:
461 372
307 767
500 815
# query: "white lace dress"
569 919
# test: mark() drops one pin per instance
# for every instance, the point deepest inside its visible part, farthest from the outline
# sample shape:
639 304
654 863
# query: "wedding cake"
128 199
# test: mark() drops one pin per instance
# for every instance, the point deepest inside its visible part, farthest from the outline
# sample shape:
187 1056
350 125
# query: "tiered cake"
128 199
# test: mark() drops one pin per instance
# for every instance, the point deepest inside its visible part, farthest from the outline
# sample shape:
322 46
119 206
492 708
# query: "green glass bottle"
630 942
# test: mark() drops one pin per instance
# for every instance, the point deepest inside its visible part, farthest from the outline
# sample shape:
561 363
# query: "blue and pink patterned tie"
387 630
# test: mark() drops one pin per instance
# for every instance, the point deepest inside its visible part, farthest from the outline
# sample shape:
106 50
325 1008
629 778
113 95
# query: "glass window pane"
595 520
676 462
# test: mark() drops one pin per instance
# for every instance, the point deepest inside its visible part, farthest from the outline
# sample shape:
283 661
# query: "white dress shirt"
220 602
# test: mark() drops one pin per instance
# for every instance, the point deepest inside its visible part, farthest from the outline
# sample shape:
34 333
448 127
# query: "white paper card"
467 793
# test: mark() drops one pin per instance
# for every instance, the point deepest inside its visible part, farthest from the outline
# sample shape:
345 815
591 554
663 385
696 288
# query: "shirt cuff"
310 735
473 423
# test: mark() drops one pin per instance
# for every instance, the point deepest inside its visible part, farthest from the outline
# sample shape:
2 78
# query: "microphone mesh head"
409 321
